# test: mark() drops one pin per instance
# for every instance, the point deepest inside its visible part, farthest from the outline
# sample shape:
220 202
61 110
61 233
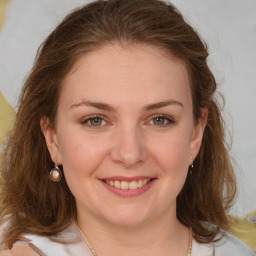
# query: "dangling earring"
191 166
56 174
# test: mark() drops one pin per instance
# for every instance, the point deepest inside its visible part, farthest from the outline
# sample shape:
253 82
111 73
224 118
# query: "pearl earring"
56 174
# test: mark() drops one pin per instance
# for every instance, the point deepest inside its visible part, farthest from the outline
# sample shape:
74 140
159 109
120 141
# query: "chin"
127 217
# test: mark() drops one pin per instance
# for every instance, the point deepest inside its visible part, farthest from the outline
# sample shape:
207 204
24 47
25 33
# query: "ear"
51 140
197 137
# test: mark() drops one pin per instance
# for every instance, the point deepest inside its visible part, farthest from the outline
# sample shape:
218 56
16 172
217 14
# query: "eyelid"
84 121
88 118
166 117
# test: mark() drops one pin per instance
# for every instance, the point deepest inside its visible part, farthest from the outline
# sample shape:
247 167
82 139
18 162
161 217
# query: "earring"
56 174
191 166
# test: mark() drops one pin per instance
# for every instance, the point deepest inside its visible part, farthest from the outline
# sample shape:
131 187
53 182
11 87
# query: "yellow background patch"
3 5
7 117
245 229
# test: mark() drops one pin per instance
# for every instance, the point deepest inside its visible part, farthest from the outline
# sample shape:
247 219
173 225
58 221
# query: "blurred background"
228 27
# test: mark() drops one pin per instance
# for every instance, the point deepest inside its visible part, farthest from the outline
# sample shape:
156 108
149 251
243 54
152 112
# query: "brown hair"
30 201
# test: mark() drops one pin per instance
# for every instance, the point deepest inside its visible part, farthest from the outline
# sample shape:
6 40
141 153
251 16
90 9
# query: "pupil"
159 120
96 121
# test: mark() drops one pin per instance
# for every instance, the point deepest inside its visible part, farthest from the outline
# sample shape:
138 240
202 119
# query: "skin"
134 136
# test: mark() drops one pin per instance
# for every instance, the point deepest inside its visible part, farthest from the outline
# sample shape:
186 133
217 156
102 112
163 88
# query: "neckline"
95 254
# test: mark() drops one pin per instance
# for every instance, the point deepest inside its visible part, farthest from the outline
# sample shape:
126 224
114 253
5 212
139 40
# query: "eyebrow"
162 104
98 105
107 107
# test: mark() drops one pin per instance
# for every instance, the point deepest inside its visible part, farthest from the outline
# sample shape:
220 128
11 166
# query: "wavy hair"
29 201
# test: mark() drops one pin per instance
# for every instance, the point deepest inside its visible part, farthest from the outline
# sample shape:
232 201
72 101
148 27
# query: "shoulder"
230 245
226 246
19 250
35 246
67 242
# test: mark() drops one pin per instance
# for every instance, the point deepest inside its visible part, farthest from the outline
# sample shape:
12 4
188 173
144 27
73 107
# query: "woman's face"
125 133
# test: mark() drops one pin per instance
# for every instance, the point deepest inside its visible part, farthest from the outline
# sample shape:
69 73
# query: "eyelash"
166 118
103 119
90 118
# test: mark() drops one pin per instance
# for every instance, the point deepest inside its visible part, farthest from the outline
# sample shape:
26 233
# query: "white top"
75 246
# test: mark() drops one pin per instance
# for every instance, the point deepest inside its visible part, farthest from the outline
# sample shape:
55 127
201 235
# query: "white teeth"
133 184
117 184
139 183
124 185
127 185
144 182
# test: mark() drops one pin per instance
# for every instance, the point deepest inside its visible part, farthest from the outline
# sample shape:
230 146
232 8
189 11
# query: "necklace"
94 253
86 241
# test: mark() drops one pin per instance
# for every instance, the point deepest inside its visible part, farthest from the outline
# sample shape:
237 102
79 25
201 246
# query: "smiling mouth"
130 185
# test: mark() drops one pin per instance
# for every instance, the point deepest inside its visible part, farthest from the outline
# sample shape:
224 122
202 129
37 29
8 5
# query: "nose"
129 148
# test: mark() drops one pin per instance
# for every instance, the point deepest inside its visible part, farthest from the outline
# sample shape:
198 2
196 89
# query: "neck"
161 236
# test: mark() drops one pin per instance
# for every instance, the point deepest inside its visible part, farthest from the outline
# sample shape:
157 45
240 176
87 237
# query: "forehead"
127 71
115 53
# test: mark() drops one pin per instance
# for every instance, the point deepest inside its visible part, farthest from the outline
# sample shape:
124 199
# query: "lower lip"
129 192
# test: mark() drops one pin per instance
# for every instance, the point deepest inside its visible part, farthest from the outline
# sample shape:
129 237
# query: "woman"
118 147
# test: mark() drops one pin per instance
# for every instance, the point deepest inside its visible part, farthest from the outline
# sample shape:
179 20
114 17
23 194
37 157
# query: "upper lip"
122 178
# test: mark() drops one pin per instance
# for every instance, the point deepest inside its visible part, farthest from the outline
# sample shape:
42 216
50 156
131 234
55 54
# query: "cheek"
172 158
172 153
81 154
81 157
